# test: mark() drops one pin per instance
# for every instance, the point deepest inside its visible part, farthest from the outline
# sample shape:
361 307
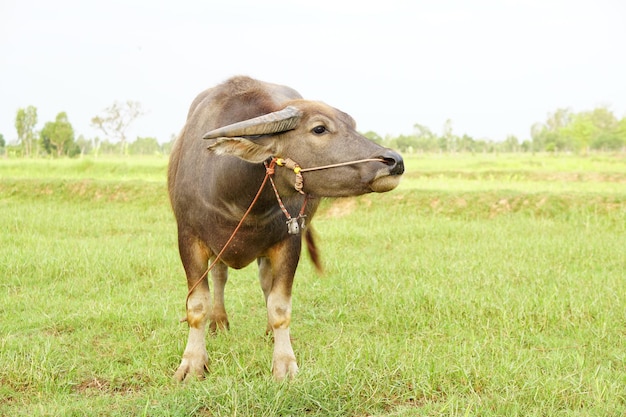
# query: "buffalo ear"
242 148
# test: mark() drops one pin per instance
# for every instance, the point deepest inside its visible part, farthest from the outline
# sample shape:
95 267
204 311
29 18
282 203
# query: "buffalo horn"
275 122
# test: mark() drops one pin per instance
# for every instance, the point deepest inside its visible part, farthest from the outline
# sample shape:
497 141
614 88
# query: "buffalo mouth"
384 183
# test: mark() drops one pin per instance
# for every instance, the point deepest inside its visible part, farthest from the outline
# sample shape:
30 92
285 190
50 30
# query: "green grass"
469 290
102 168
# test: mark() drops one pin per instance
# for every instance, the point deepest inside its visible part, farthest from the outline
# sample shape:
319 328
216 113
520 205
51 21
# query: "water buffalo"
231 141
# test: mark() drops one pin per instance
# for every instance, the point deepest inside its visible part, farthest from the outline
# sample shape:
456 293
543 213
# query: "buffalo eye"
318 130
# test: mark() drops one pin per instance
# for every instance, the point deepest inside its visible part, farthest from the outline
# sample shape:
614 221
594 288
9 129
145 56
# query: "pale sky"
493 67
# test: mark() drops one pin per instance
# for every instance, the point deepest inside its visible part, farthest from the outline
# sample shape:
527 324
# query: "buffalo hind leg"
195 359
266 279
219 318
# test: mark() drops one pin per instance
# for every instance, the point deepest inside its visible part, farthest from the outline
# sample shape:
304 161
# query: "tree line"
57 138
562 131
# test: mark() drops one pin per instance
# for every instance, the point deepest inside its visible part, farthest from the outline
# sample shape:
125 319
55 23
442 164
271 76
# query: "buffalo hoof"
219 324
284 367
192 366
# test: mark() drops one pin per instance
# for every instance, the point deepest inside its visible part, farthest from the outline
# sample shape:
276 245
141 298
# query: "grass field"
483 286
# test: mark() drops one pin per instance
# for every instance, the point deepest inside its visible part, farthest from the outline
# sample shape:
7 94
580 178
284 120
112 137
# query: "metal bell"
293 227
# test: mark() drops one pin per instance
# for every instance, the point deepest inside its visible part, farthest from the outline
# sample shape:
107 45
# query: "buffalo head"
313 134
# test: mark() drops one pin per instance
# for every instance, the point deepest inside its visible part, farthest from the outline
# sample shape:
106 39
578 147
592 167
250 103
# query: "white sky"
493 67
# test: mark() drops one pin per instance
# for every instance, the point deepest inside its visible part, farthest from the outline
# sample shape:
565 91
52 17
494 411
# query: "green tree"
538 137
57 137
591 129
510 144
606 129
426 140
620 134
406 143
107 147
144 146
448 141
84 145
116 119
610 133
466 144
580 131
25 122
549 136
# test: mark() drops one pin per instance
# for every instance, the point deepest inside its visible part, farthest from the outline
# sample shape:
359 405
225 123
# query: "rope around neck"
294 225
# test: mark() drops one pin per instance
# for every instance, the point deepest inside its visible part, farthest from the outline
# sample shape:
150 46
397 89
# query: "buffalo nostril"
394 161
399 168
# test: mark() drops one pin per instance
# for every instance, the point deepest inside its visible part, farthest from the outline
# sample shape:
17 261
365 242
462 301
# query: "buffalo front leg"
279 317
195 358
283 260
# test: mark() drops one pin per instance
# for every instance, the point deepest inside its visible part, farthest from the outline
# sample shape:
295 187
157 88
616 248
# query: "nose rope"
291 164
298 170
341 164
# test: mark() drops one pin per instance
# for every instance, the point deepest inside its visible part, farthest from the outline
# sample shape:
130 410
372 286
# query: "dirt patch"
341 207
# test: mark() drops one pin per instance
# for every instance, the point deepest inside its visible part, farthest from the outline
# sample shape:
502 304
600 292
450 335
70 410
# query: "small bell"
293 227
